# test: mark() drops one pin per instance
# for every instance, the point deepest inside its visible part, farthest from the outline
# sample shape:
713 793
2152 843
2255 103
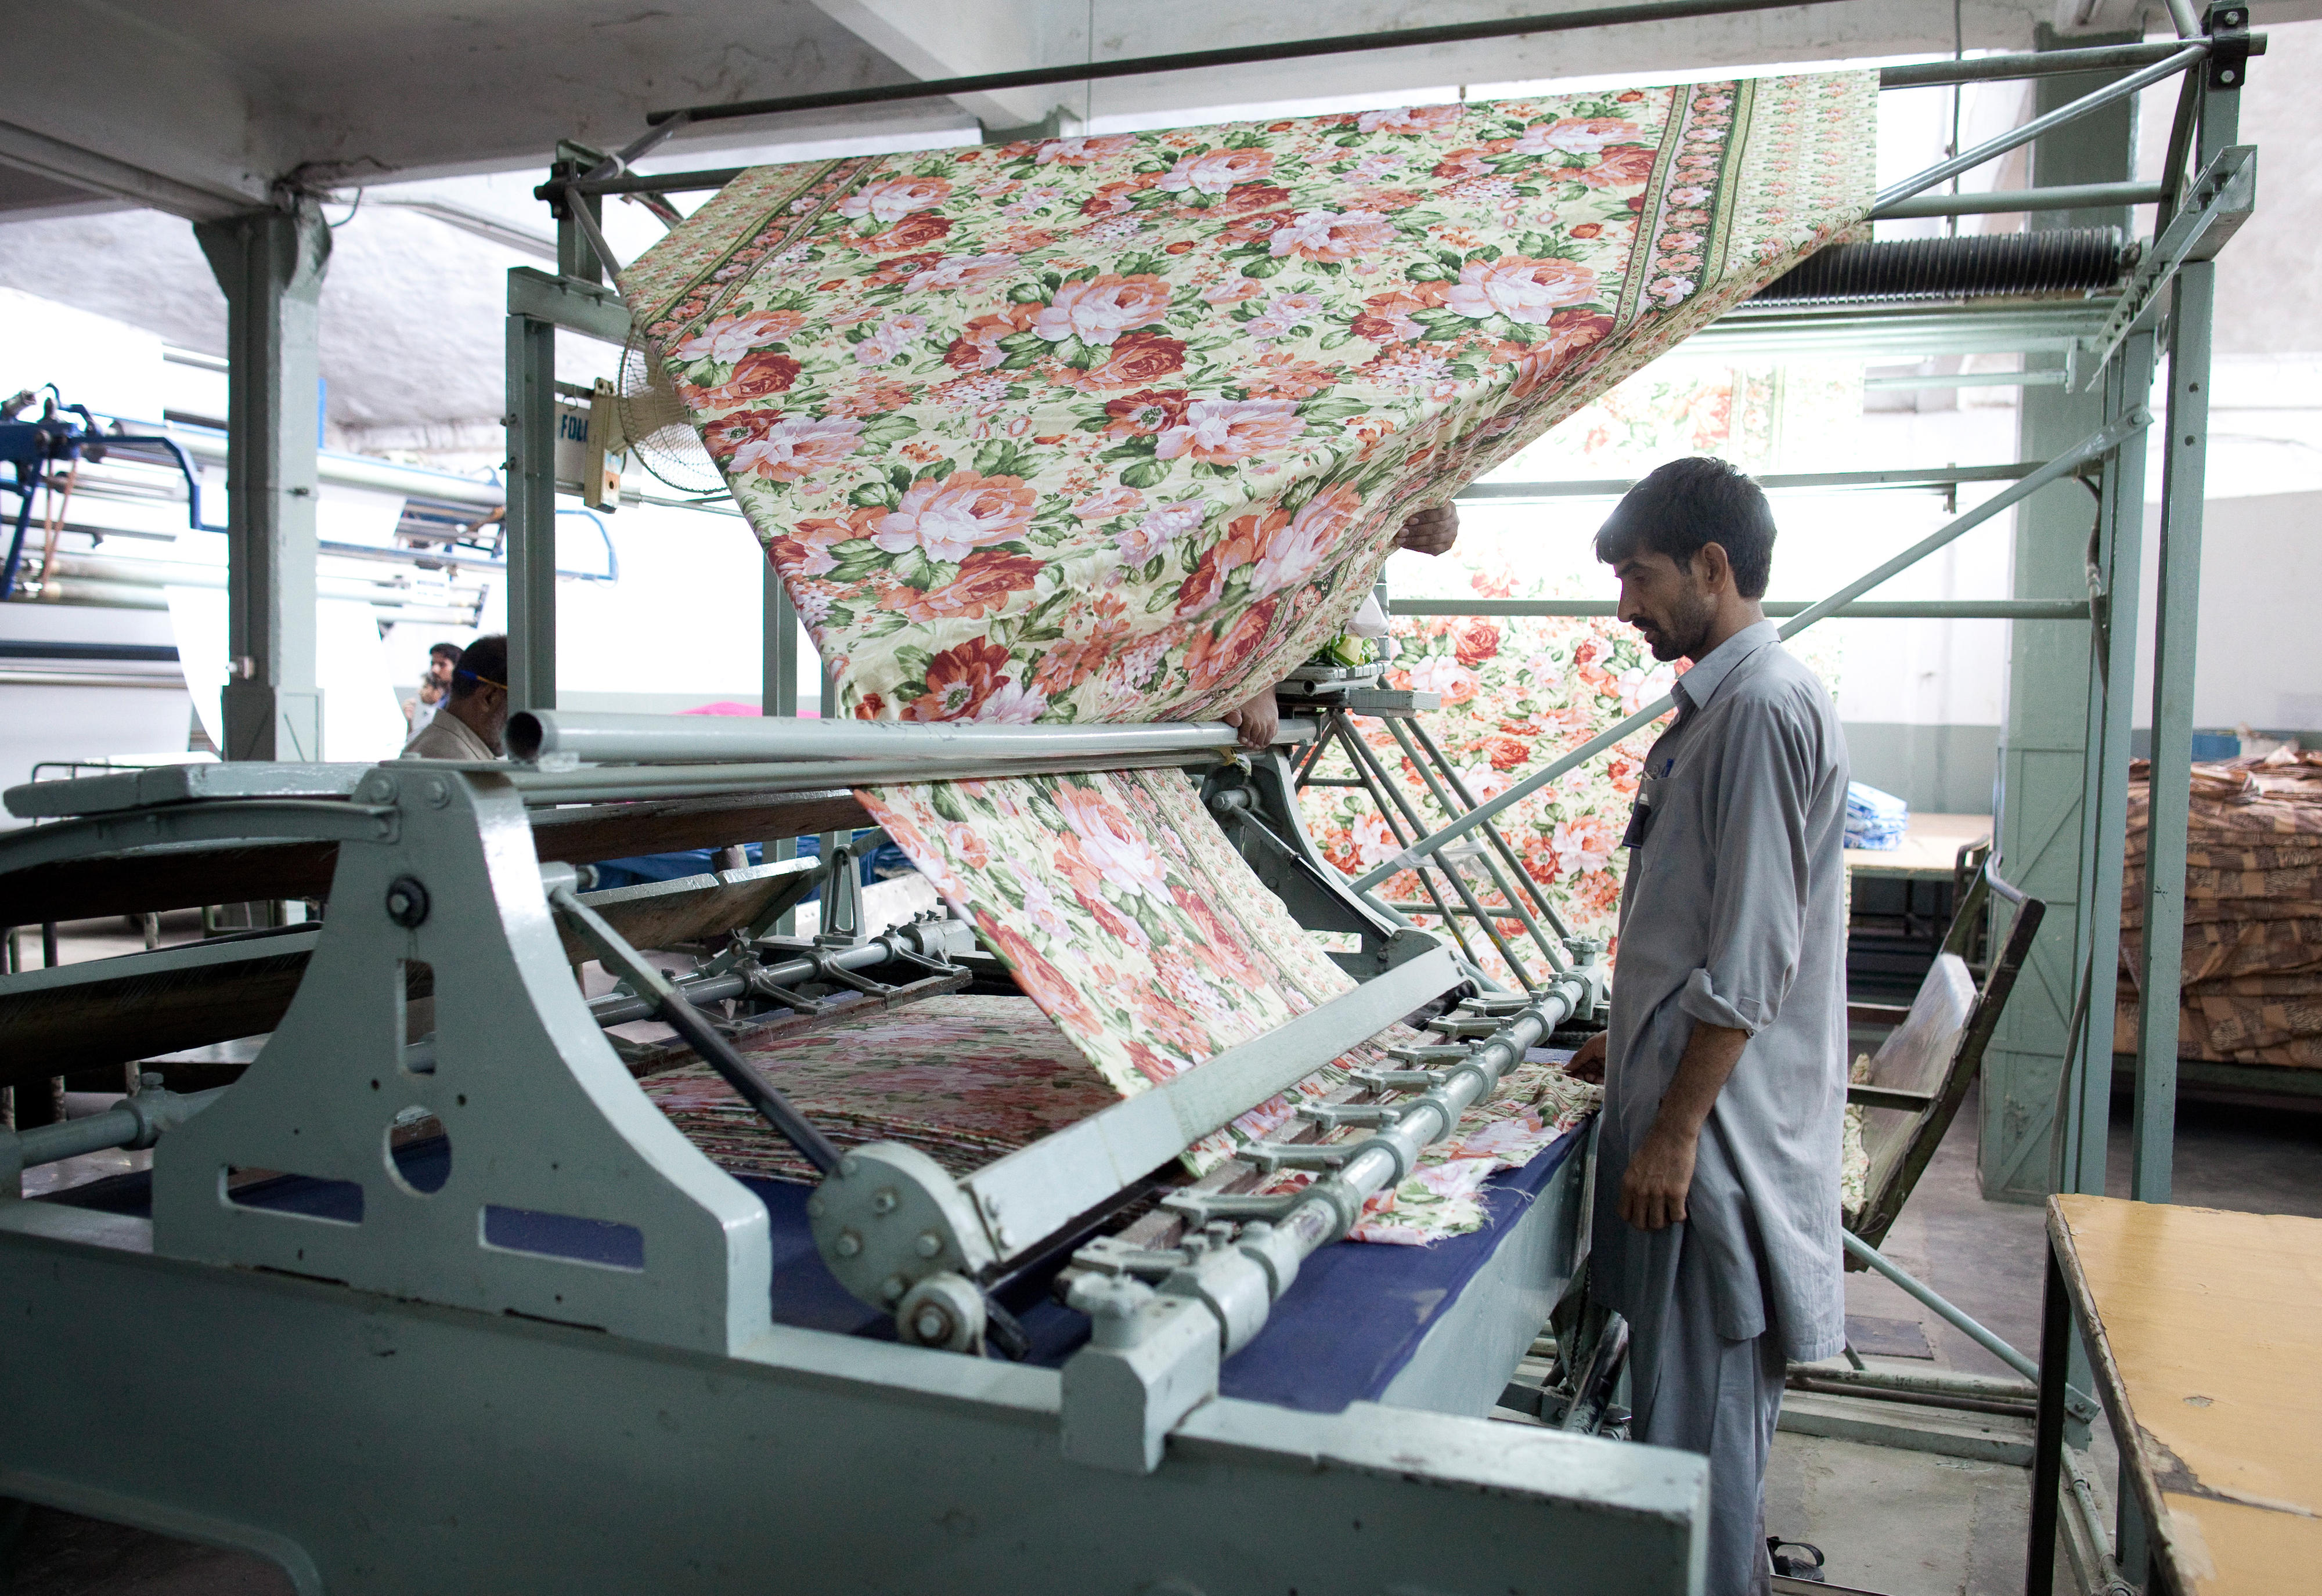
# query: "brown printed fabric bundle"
2252 978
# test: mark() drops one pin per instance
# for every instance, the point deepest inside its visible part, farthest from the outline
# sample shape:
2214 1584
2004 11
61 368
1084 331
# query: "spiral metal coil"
2051 260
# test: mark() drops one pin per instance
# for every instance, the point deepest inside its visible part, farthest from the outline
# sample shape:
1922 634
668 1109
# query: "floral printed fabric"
968 1080
964 1080
1123 913
1123 426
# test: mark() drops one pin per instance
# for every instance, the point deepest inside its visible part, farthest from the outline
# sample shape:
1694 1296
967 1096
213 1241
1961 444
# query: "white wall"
2258 660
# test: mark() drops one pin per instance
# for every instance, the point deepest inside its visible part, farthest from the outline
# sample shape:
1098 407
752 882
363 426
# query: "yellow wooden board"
2212 1325
1930 846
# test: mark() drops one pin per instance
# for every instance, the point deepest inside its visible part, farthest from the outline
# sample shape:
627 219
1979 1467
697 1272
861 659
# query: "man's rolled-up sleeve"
1758 909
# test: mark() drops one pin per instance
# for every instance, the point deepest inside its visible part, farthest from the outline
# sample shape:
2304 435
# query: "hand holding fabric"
1259 720
1430 532
1588 1064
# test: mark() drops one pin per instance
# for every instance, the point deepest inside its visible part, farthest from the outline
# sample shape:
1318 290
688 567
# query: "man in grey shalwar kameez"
1717 1229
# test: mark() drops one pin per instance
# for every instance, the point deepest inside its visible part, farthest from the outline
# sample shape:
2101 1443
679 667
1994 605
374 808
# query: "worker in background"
1424 532
468 723
1717 1229
435 687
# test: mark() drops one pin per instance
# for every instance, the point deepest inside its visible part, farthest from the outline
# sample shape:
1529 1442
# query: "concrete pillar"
270 264
2043 739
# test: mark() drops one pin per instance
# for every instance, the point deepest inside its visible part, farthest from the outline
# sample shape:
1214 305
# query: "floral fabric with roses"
1124 913
964 1080
1121 427
969 1079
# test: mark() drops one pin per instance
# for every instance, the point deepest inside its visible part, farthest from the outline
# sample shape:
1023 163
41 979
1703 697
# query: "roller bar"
691 739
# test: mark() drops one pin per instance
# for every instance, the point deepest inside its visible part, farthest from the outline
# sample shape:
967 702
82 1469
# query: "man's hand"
1653 1189
1430 532
1258 720
1588 1064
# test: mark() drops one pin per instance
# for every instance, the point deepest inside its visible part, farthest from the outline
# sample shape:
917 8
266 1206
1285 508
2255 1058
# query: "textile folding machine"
433 1297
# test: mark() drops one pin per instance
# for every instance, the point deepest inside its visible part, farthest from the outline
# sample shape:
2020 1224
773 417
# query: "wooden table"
2205 1333
1930 846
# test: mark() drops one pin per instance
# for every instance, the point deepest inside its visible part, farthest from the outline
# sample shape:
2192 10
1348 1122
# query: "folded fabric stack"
2253 950
1875 819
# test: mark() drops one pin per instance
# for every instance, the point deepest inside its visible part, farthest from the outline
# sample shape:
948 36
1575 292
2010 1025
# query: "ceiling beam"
110 101
965 39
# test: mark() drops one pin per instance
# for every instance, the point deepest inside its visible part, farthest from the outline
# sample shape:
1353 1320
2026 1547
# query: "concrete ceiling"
201 107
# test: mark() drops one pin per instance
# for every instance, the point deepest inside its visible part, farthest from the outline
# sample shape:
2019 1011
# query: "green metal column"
778 691
531 541
270 264
2043 751
780 683
2176 605
2115 559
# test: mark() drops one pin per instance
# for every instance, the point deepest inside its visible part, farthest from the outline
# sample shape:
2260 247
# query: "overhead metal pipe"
1933 609
2042 63
2072 196
1944 171
613 175
1200 60
1613 487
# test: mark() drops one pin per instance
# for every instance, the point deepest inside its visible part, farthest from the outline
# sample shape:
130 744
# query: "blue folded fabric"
1875 819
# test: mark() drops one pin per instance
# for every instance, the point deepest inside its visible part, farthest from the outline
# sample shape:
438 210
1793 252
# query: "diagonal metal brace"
690 1022
2216 205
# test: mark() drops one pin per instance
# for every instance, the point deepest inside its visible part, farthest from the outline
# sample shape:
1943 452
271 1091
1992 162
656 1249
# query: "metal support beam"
1205 60
270 264
1774 481
2044 751
538 305
778 686
2219 201
2085 1112
2006 202
531 511
1930 609
2176 604
576 257
2072 111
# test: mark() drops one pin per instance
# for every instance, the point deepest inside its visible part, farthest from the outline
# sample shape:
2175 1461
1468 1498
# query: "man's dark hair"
483 663
1689 503
448 651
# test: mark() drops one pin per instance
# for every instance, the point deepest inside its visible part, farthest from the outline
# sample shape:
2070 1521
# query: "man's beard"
1689 621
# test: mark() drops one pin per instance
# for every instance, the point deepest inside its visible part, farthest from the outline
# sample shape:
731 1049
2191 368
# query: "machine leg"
2048 1437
